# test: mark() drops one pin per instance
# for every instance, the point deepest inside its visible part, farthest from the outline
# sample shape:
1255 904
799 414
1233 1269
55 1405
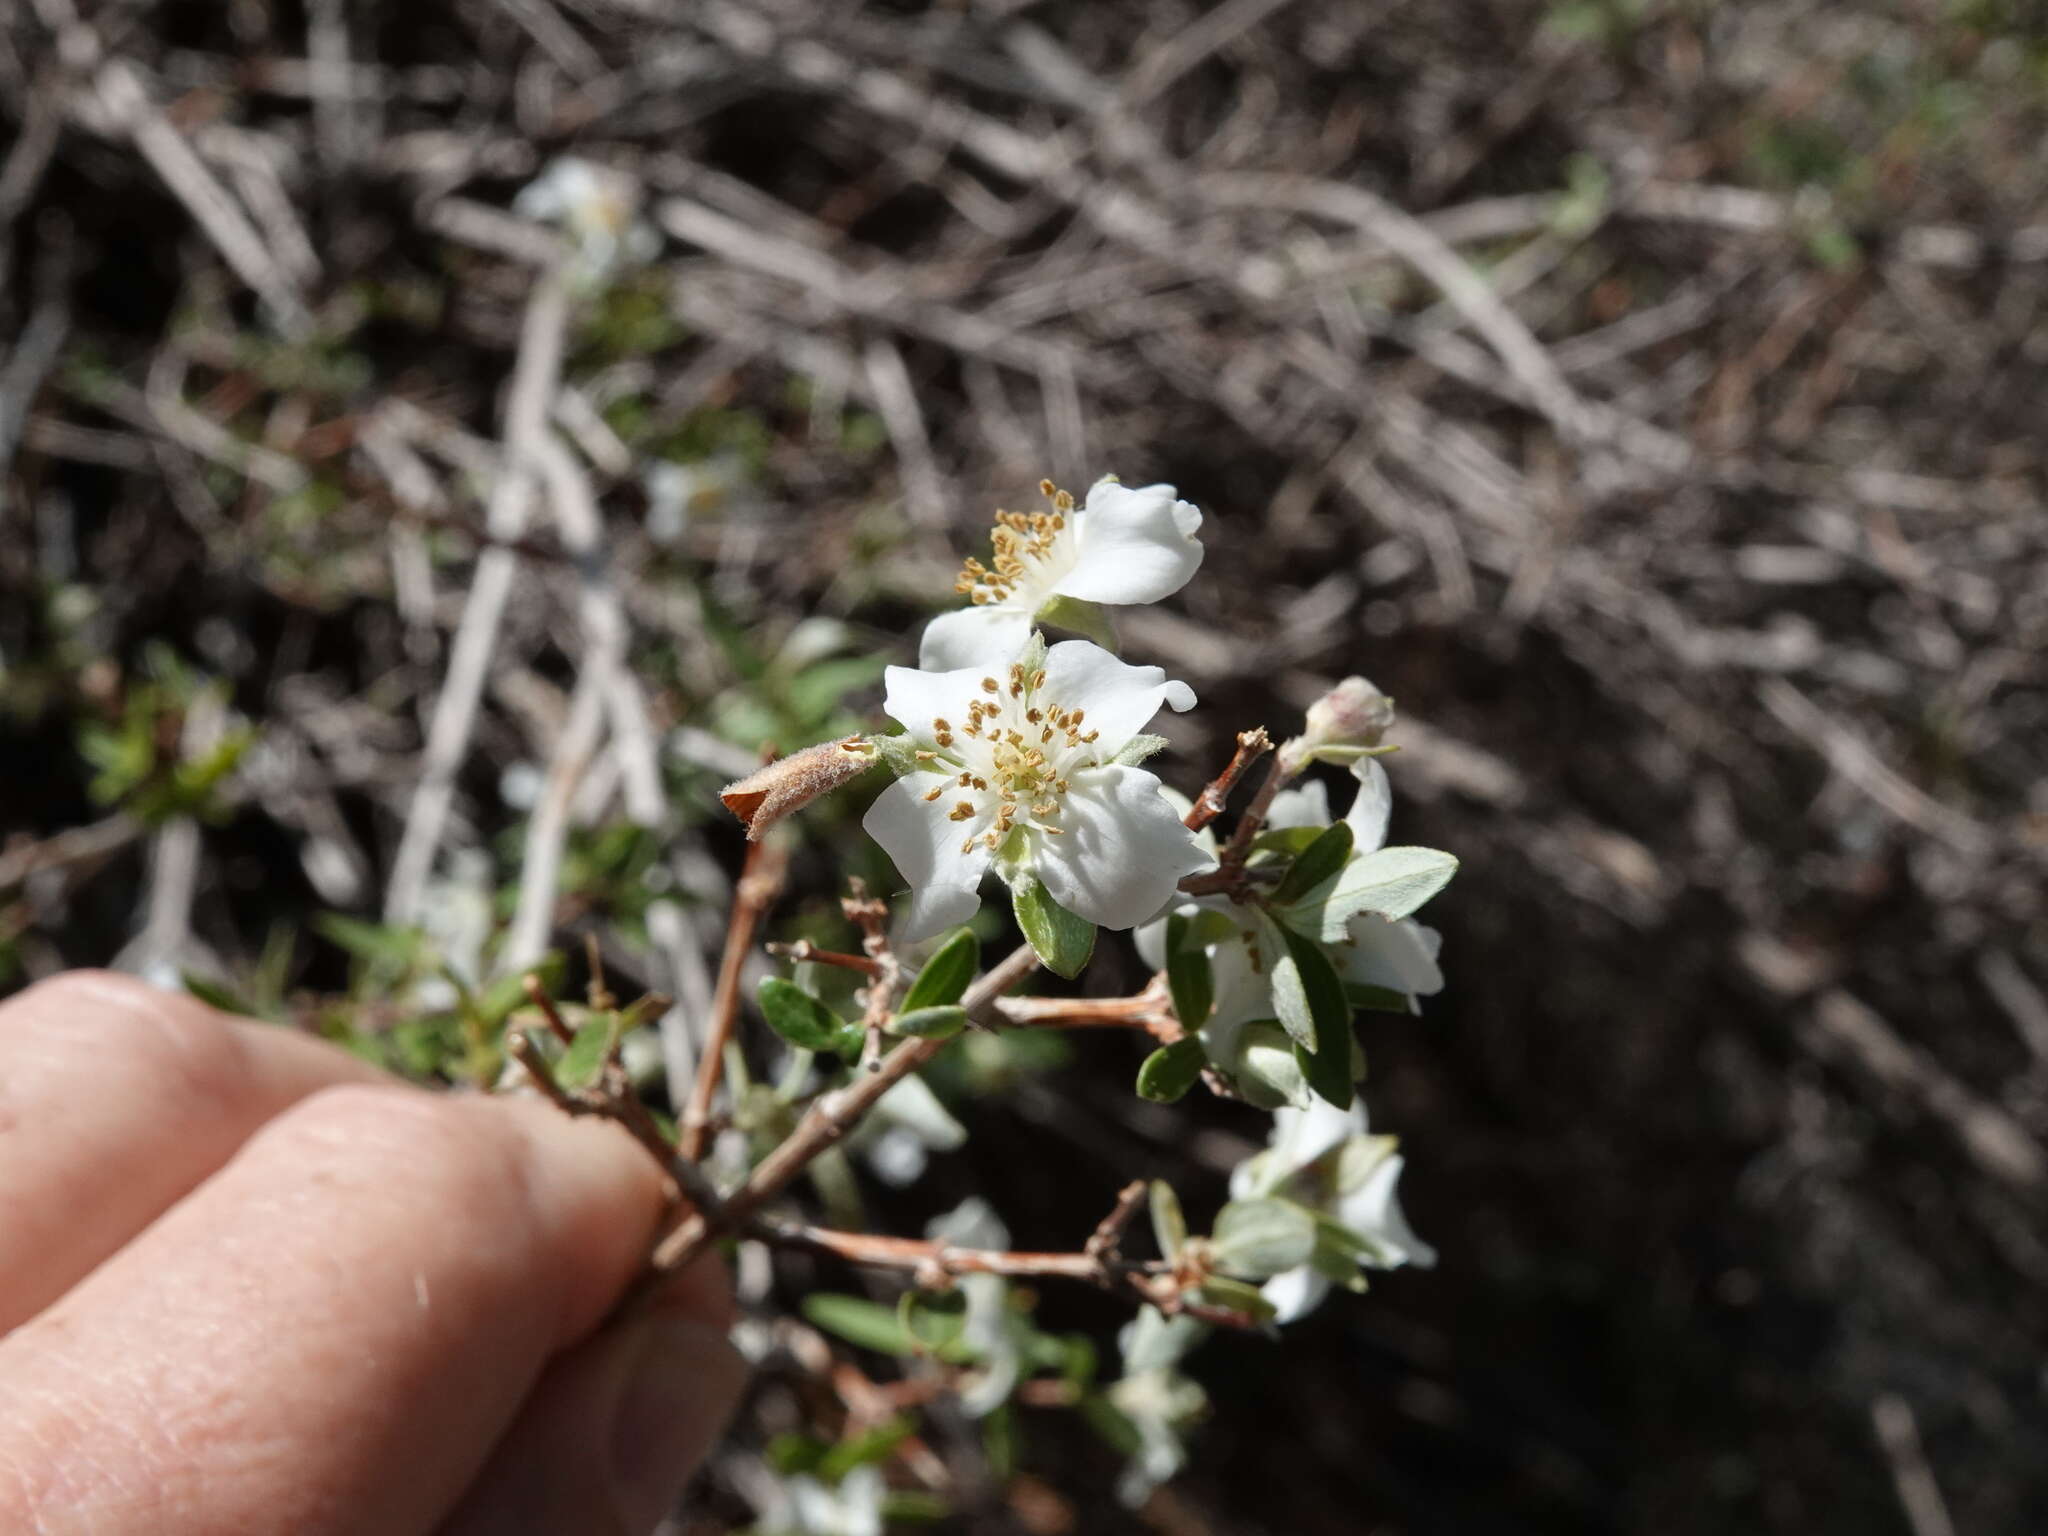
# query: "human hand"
249 1284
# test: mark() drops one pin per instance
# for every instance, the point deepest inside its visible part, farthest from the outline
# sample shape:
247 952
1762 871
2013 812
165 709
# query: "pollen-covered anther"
962 811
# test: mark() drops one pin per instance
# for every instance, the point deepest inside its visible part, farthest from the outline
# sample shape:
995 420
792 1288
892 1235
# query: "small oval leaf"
946 975
797 1016
1259 1238
1062 941
1171 1070
941 1023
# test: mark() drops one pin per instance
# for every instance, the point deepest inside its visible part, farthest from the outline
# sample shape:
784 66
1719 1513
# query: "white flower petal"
927 851
1132 546
1372 806
1123 850
916 698
1295 1293
1117 699
984 635
1301 805
1374 1211
1300 1136
1400 956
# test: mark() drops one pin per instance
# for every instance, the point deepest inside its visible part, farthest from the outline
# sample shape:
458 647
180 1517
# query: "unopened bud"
790 783
1344 724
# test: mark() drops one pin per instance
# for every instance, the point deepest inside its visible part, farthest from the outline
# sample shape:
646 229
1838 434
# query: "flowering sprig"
1020 761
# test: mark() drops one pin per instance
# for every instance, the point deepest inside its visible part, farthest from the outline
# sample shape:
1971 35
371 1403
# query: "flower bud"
1344 724
790 783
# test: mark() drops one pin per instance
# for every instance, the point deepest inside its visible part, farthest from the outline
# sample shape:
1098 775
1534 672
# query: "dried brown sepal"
790 783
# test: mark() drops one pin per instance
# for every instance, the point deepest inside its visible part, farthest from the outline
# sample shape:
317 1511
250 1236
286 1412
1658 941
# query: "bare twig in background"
767 863
469 658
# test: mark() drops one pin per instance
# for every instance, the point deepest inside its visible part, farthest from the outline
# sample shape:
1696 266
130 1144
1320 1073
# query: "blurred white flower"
1322 1158
1016 769
597 207
1120 546
1155 1398
908 1125
853 1507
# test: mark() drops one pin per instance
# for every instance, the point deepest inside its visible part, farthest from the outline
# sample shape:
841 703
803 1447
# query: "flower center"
1011 759
1024 543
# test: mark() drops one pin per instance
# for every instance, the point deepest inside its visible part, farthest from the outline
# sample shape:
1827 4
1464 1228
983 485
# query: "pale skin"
248 1283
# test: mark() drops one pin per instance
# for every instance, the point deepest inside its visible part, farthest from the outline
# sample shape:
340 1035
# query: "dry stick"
804 950
1147 1010
760 880
547 829
828 1121
128 107
1209 804
932 1263
1228 875
534 373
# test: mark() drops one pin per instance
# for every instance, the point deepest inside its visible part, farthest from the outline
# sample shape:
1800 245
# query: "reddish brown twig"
1227 878
538 996
827 1122
933 1264
1149 1010
1209 803
803 950
760 881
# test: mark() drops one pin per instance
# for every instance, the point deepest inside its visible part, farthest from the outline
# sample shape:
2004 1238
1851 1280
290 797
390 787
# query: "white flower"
596 206
1016 769
853 1508
1122 546
1321 1157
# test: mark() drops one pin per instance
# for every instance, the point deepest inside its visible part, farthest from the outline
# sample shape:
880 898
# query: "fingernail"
681 1390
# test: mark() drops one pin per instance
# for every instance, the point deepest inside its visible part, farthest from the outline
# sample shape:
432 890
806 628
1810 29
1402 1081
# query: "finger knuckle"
194 1057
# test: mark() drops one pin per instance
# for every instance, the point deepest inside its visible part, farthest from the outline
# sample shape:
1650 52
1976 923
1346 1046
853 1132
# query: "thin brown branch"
760 881
1227 878
828 1121
933 1264
1251 745
1149 1010
804 950
537 994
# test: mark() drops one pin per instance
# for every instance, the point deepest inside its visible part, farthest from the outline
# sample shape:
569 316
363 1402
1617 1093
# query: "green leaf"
1392 882
1260 1238
799 1017
217 994
941 1023
1269 1069
946 975
1287 841
1192 984
1062 941
1309 996
874 1326
1137 749
1169 1226
876 1444
1171 1070
585 1058
1238 1296
371 941
1321 860
1199 929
